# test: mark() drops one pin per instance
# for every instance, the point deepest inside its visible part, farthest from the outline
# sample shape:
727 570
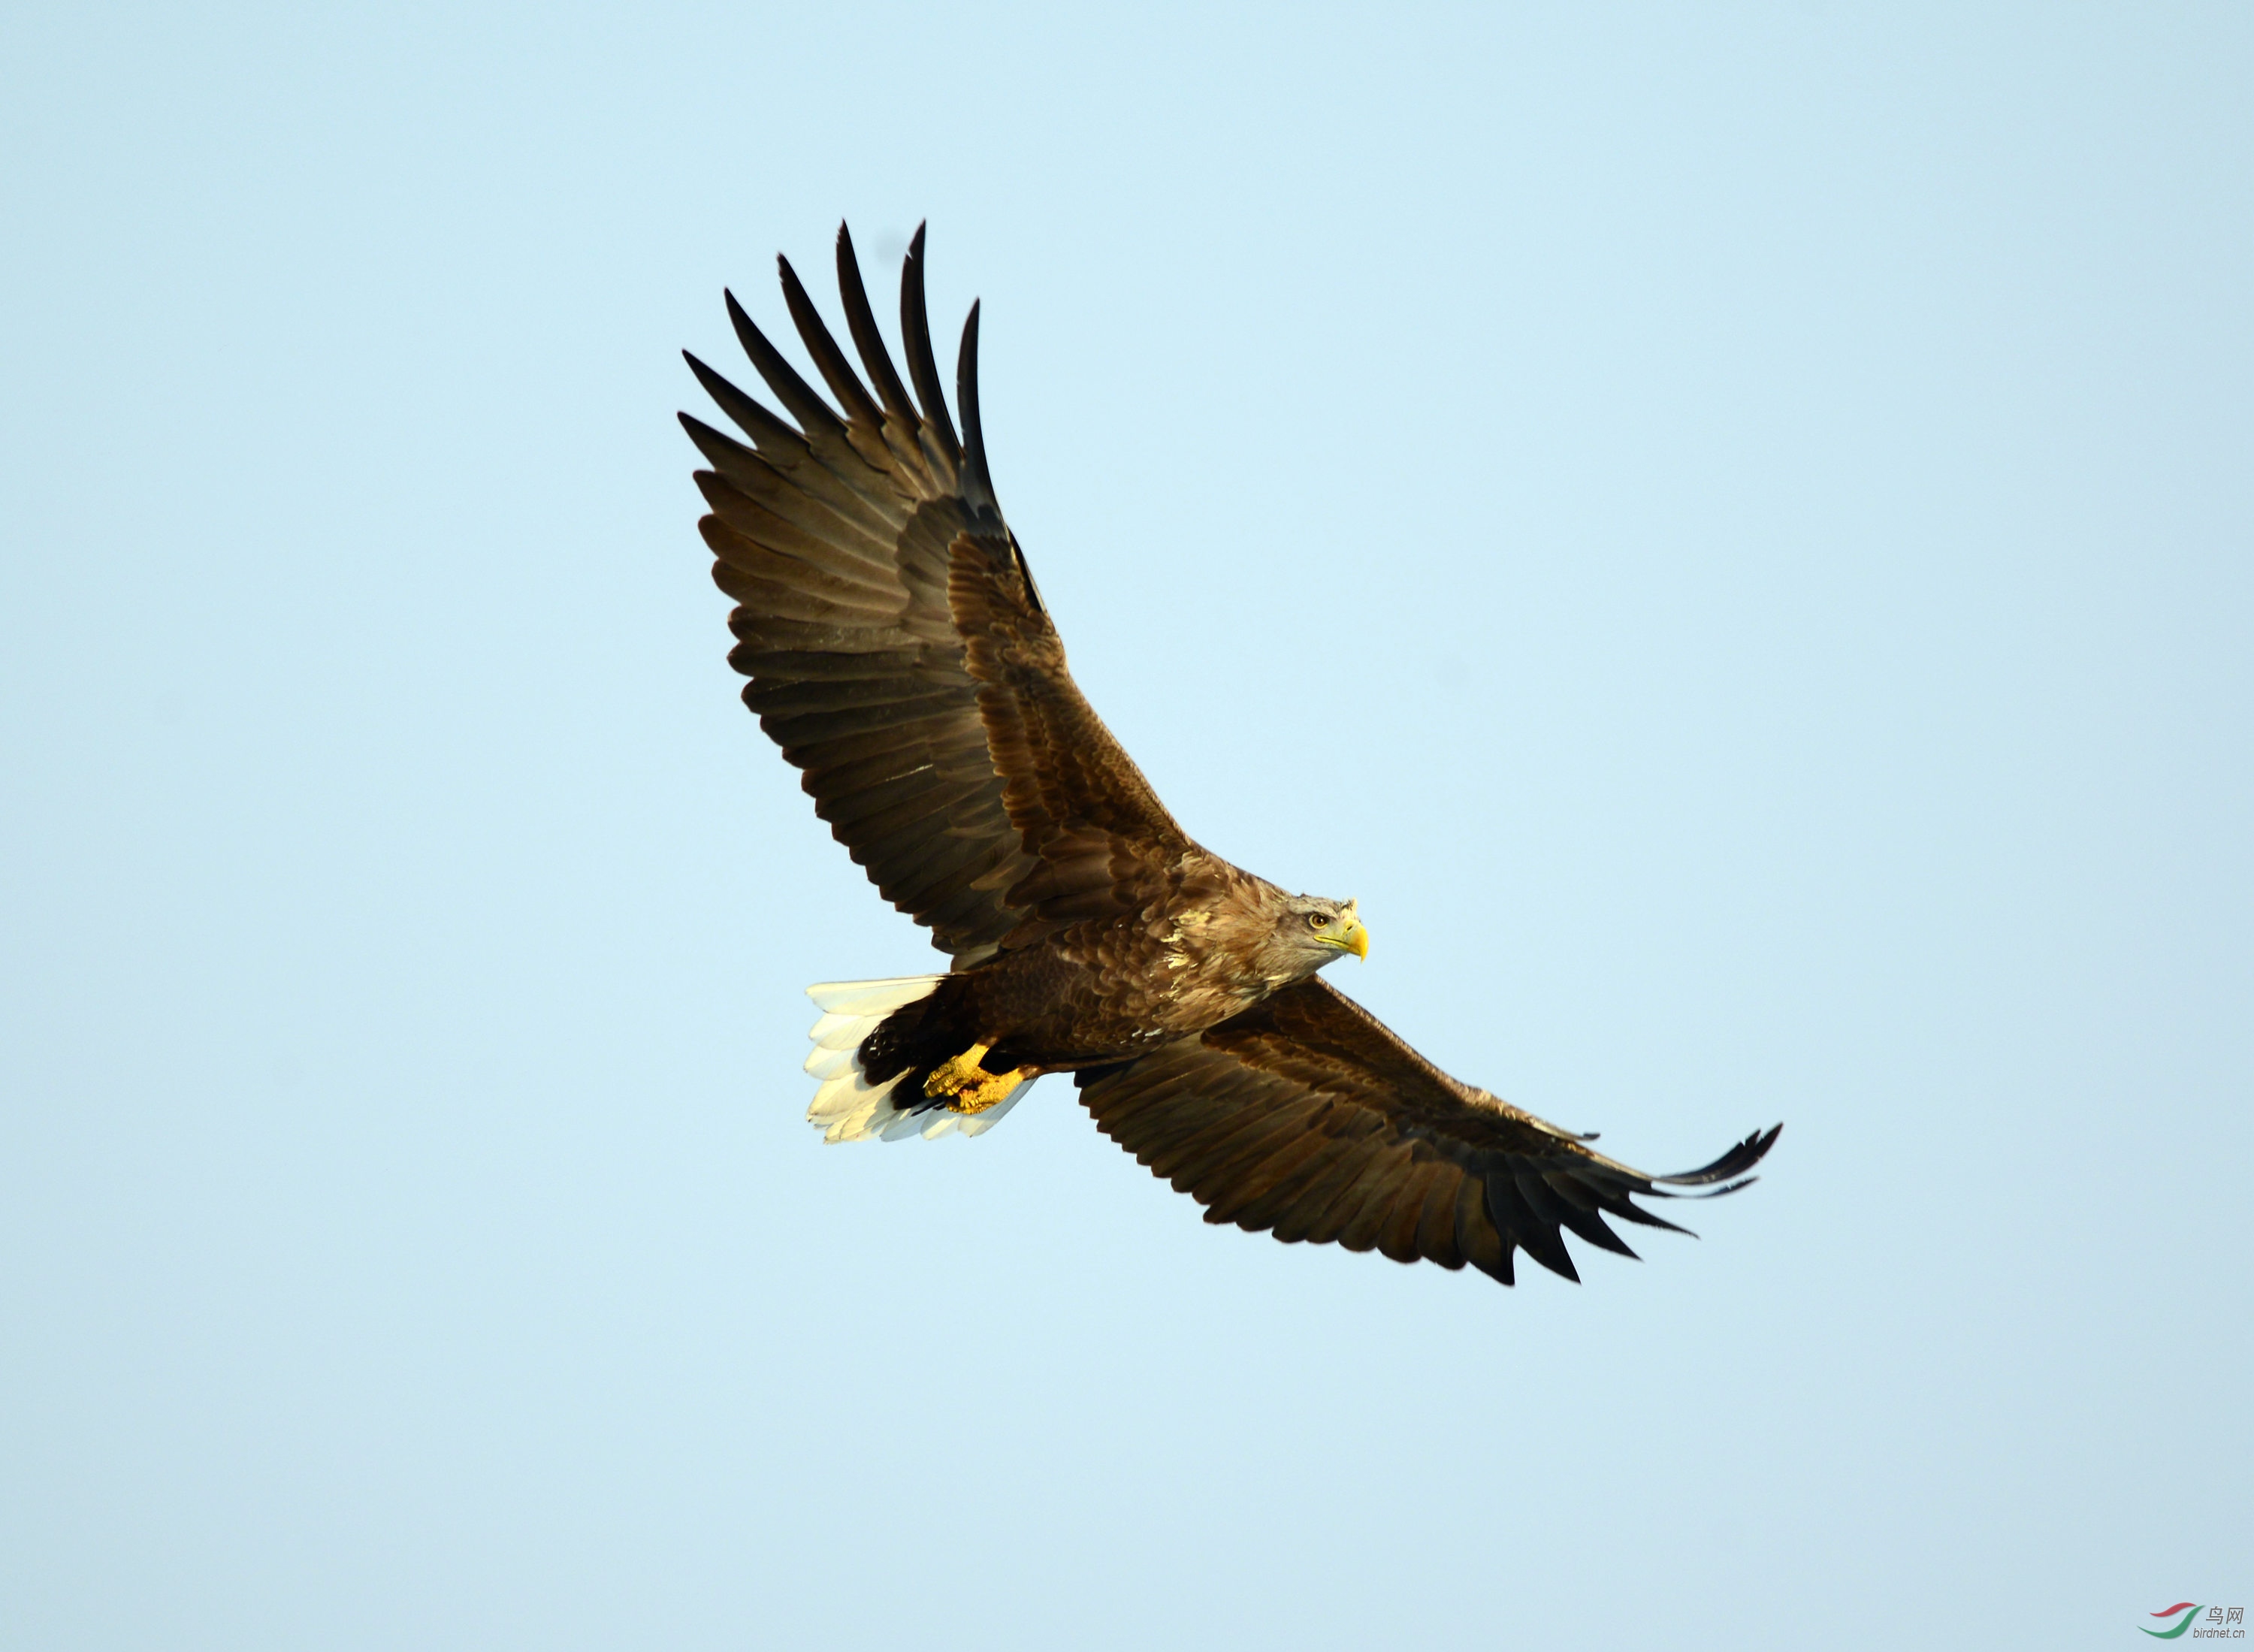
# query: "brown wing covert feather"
1305 1117
898 649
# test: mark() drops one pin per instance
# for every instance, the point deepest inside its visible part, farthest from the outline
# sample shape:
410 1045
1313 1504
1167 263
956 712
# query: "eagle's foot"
968 1086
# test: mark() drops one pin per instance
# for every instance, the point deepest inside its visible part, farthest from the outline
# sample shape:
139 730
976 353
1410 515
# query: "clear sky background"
1732 535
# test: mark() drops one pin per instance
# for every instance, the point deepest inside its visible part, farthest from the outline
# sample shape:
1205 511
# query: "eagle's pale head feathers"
1307 932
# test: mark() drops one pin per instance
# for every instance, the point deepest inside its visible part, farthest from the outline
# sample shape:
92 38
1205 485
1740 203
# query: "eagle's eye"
1316 920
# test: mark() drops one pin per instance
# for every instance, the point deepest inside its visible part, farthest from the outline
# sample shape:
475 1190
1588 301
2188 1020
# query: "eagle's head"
1313 932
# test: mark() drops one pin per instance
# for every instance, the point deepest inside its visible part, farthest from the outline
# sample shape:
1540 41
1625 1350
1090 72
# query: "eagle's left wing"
897 649
1307 1117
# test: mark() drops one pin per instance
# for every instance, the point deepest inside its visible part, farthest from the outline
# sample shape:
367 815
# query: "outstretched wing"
1307 1117
897 649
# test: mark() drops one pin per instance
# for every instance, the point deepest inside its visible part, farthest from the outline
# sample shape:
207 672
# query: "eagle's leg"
970 1088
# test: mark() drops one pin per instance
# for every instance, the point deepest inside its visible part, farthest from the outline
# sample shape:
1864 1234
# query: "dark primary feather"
1307 1117
977 484
916 334
897 649
861 321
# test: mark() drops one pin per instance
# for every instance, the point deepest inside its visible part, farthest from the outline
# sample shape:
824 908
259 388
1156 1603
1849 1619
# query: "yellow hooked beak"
1351 937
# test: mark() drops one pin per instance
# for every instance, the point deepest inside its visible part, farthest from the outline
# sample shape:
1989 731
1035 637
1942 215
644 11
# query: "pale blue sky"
1730 535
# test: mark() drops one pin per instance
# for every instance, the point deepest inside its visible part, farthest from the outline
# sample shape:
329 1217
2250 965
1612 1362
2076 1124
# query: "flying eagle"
899 653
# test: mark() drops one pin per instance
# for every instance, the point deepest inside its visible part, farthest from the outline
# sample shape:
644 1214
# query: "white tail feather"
878 999
829 1063
847 1108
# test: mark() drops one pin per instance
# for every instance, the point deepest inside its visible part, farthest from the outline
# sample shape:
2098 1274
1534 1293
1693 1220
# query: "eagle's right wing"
897 649
1307 1117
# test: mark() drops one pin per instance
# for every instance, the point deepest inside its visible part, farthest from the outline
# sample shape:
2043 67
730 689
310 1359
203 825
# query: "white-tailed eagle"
899 653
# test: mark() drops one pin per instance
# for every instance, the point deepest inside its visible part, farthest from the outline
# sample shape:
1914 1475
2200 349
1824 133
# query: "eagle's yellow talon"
973 1090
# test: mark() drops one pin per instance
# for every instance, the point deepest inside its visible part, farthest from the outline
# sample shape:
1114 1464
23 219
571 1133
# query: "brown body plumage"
1194 953
899 653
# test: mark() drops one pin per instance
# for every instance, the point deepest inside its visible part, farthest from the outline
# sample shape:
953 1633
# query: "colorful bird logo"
2189 1611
